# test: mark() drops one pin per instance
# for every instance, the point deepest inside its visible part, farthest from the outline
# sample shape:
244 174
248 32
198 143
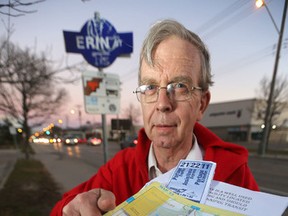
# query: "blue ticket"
192 179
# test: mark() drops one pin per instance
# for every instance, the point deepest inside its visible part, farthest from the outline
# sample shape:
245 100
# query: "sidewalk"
8 158
54 163
75 171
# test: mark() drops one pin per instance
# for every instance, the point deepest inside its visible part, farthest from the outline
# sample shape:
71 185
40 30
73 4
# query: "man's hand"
91 203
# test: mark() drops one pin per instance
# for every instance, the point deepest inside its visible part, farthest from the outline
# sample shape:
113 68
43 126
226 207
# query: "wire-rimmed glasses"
175 92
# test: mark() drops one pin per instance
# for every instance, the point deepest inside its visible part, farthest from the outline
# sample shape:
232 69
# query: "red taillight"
135 141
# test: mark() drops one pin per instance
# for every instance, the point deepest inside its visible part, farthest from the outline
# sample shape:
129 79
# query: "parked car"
70 140
94 141
129 142
82 140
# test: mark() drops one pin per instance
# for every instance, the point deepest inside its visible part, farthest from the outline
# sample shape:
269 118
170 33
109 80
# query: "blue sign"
99 42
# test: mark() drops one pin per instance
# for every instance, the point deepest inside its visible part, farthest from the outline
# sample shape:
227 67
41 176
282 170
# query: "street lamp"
263 145
261 3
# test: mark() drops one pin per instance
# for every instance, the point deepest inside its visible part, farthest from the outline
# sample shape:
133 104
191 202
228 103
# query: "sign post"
101 96
104 128
100 44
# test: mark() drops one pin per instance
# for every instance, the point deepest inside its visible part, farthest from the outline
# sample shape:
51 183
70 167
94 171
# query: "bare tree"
28 88
18 8
133 113
279 101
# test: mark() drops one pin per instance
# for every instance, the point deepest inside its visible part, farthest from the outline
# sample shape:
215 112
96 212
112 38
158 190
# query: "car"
82 140
55 140
129 142
94 141
70 140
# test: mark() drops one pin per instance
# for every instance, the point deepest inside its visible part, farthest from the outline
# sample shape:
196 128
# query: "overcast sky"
241 39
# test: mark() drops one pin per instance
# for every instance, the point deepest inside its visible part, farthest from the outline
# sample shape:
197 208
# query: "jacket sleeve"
243 177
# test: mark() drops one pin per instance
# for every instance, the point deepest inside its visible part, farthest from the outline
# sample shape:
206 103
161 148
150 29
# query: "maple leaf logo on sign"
92 86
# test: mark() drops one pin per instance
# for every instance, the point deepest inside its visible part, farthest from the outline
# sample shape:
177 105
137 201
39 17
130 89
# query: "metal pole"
263 145
274 23
104 128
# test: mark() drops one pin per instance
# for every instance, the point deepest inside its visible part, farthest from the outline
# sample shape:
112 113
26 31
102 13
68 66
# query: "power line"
248 60
221 15
234 13
239 15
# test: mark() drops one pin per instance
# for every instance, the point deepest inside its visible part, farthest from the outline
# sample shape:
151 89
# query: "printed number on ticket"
192 179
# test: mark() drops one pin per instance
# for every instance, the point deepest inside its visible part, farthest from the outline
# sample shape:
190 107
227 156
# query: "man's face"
167 123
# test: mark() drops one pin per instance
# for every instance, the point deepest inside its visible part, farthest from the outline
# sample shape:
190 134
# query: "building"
243 120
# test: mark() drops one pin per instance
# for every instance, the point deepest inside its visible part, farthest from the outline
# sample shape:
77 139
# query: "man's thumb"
106 201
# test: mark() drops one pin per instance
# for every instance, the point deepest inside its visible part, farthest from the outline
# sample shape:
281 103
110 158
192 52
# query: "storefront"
243 120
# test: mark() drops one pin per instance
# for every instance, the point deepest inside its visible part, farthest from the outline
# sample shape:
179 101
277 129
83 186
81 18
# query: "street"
271 174
92 155
86 154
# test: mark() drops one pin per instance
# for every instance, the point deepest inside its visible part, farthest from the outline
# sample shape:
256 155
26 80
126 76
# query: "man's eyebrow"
186 79
149 81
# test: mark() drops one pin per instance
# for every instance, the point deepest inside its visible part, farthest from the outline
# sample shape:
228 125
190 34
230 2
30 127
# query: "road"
271 174
92 155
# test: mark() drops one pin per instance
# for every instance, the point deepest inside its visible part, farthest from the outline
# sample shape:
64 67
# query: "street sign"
99 42
101 92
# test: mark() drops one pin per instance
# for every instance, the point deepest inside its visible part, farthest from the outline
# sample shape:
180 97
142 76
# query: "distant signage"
101 92
99 42
121 124
237 113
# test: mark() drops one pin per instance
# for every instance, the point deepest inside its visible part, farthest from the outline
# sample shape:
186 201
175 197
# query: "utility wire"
219 17
234 13
239 15
248 60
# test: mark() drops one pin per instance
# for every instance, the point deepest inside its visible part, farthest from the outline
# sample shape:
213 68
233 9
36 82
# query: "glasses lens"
178 91
147 93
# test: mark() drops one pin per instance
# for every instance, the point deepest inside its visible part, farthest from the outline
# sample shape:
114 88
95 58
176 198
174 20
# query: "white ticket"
192 179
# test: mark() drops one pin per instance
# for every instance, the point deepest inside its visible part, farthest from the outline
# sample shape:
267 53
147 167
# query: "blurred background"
42 92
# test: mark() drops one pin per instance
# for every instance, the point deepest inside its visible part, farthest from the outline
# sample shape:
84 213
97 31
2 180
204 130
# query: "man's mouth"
165 126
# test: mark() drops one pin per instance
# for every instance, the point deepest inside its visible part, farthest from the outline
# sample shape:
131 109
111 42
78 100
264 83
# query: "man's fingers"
106 201
94 202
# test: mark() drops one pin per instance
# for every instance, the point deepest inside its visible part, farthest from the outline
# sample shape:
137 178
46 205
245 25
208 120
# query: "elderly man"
174 80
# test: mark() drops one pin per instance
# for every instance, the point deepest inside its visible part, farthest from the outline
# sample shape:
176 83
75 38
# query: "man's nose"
163 103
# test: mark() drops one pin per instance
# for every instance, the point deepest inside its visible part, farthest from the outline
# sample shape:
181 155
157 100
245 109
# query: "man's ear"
205 99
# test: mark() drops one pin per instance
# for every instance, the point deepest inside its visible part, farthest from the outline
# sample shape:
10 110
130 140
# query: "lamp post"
261 3
268 116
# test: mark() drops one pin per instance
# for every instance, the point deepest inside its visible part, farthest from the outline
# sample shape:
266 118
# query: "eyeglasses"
175 92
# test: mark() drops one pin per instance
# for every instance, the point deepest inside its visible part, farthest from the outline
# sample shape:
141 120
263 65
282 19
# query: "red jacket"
127 172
